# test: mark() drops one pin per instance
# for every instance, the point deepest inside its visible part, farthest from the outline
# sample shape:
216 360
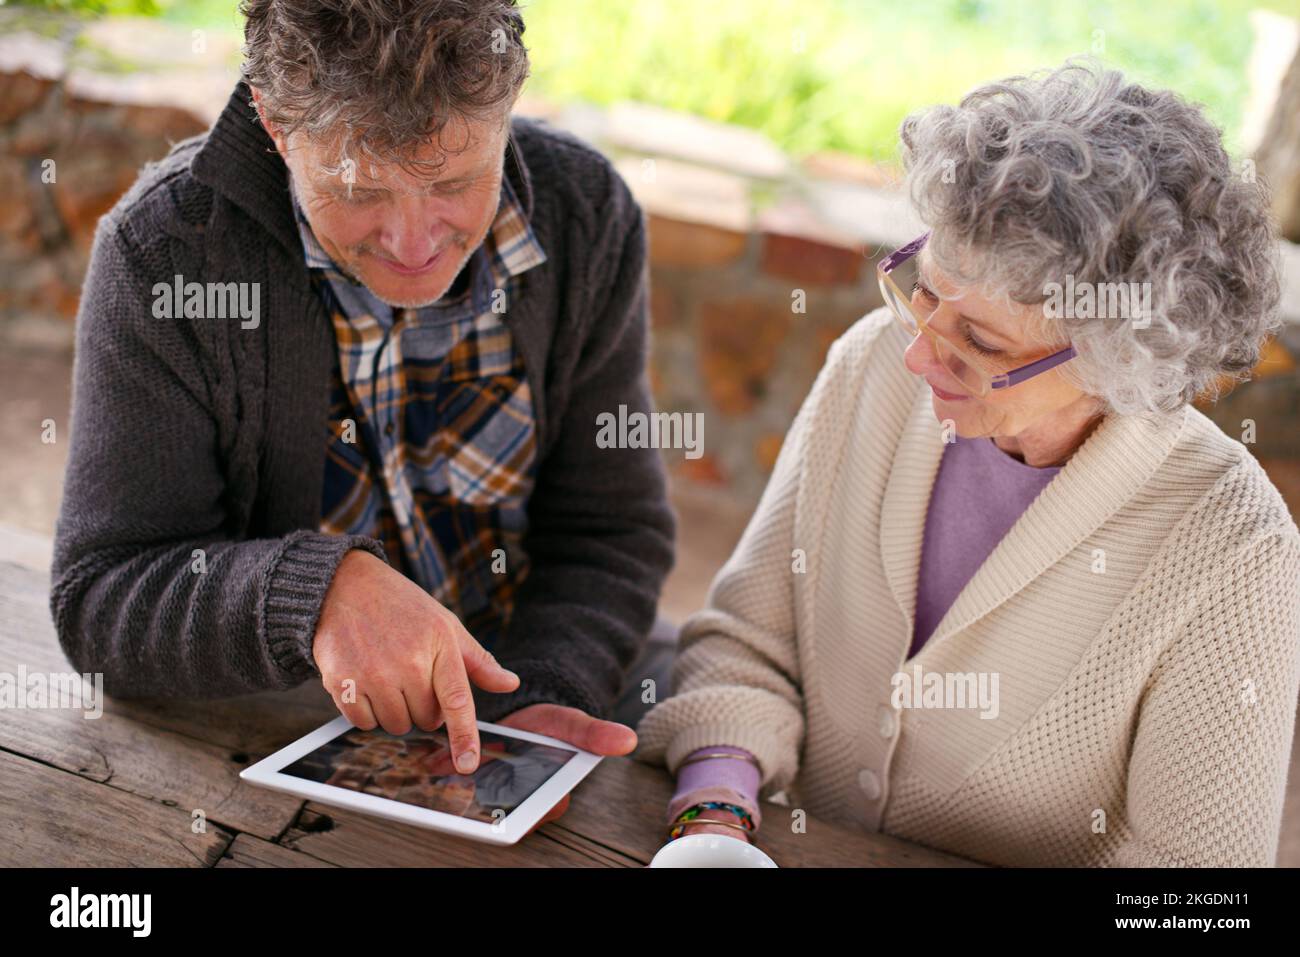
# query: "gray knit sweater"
201 434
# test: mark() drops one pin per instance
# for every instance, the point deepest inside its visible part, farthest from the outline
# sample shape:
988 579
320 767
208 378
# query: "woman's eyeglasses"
900 271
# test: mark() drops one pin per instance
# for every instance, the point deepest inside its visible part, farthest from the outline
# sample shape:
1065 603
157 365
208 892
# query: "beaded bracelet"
693 812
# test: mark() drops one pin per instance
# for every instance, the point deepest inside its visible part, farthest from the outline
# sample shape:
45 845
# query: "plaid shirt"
432 447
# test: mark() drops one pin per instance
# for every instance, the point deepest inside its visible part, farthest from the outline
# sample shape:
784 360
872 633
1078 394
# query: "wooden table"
126 788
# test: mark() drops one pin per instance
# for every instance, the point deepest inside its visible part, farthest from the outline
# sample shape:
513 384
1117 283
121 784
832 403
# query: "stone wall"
744 308
72 139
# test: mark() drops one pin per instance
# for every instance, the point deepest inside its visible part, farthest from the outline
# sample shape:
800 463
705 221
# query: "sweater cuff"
740 773
295 590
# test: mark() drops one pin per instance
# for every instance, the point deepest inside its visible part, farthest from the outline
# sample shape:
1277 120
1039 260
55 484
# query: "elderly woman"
1009 594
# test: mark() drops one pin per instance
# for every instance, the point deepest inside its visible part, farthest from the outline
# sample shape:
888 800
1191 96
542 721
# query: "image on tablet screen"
416 768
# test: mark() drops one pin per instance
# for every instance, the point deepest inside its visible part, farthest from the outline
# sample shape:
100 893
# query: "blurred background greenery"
840 74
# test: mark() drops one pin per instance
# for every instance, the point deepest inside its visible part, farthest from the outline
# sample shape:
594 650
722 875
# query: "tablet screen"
416 768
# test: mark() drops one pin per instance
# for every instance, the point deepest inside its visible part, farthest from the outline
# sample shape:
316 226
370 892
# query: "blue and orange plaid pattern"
432 446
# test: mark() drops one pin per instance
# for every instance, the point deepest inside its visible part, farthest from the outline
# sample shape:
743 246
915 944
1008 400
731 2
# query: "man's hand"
409 658
608 738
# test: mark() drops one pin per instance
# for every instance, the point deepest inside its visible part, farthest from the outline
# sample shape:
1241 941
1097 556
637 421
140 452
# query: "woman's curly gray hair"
383 76
1076 173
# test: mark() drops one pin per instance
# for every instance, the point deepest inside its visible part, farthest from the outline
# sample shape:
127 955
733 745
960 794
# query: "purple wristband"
740 776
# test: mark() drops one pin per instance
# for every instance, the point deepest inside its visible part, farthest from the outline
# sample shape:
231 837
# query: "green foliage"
196 12
125 8
841 74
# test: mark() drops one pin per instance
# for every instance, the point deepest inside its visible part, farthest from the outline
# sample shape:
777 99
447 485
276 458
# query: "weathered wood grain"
115 748
248 851
350 839
51 818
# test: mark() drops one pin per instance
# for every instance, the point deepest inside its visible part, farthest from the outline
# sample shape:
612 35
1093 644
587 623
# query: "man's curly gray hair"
382 77
1075 172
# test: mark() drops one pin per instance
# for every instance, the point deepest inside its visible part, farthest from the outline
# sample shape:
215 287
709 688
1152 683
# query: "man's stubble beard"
422 303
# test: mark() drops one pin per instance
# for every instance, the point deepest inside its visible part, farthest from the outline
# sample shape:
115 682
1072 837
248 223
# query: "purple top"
963 524
978 494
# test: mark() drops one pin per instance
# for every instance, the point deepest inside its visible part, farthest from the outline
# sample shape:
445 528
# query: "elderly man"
381 467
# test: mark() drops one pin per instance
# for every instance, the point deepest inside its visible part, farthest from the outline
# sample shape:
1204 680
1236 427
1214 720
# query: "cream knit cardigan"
1142 617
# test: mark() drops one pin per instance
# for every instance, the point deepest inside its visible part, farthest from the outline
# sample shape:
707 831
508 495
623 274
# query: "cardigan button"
869 781
885 717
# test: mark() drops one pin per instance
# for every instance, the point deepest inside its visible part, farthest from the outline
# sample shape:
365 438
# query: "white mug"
710 850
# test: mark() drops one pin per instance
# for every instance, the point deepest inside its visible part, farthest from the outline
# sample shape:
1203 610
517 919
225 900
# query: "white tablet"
410 778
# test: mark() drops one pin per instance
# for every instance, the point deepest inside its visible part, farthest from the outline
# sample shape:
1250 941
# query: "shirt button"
388 429
869 781
887 724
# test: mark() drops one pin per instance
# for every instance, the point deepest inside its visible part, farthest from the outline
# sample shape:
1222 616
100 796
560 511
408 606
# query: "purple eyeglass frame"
1003 380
